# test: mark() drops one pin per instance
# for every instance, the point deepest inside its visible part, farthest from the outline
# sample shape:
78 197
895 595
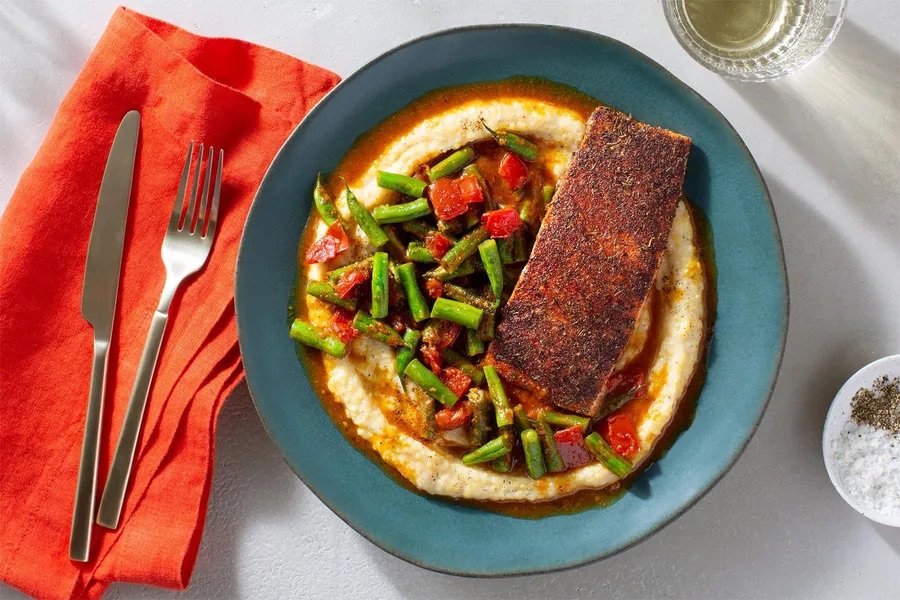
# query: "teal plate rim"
242 300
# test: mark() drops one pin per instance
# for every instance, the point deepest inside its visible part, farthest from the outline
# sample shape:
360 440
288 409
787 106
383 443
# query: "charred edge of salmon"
594 260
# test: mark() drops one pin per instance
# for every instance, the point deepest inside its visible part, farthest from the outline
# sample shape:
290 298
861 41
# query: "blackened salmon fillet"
595 257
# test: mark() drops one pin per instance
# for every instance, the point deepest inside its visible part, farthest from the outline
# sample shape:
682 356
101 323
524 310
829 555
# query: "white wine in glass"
754 40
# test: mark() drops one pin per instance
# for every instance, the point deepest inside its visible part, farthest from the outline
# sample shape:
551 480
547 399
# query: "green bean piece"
417 252
316 338
425 378
406 353
376 330
325 292
512 249
493 265
503 464
464 248
489 202
552 458
457 312
521 419
529 212
547 194
452 163
325 203
498 397
401 183
455 359
395 246
451 228
495 448
362 265
480 428
418 306
596 445
485 331
420 229
365 220
474 346
441 274
398 213
461 294
514 143
380 285
564 420
425 406
470 219
534 458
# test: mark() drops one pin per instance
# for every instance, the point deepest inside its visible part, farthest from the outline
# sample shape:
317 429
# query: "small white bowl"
839 414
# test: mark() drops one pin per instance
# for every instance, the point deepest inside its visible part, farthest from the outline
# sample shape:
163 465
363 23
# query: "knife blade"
98 307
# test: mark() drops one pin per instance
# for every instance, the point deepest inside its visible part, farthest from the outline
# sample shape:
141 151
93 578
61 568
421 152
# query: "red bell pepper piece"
470 190
329 245
501 223
451 418
346 284
342 325
570 443
446 198
438 244
456 380
621 434
513 170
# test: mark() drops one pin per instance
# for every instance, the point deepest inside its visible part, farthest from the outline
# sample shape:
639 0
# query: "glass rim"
679 27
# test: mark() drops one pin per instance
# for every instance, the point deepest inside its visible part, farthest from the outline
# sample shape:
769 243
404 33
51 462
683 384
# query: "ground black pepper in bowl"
878 406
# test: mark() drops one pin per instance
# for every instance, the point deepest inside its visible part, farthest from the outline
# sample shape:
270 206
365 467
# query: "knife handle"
120 471
86 491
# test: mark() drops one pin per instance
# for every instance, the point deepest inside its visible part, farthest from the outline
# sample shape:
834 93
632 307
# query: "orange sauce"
366 150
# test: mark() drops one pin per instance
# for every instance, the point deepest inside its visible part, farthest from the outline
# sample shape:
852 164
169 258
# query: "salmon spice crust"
594 260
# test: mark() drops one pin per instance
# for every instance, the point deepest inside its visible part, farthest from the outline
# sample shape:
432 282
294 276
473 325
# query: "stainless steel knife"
98 307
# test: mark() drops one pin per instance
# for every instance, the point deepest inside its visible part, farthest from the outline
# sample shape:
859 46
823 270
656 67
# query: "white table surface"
828 142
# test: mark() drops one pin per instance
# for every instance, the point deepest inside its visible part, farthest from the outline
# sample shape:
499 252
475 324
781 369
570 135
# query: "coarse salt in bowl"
862 461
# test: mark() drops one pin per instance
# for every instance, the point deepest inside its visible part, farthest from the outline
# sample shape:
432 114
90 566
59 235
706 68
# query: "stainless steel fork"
185 250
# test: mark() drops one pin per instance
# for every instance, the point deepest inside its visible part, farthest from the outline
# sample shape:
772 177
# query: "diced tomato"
437 244
621 435
470 190
456 380
446 333
446 199
501 223
627 381
434 288
451 418
513 170
329 245
342 325
571 446
431 356
346 284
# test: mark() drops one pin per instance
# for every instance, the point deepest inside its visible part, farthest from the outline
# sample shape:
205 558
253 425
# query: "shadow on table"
842 113
890 535
748 532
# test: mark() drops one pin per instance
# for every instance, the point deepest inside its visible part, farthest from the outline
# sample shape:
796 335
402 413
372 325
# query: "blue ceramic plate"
745 351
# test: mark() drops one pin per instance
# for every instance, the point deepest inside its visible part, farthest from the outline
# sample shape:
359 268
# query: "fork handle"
116 484
86 490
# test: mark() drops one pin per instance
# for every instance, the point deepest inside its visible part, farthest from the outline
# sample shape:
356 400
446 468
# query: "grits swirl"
366 383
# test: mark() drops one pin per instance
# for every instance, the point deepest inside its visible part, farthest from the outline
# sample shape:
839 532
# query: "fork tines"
200 217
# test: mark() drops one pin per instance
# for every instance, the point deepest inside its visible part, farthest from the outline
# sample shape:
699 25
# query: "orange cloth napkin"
237 96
